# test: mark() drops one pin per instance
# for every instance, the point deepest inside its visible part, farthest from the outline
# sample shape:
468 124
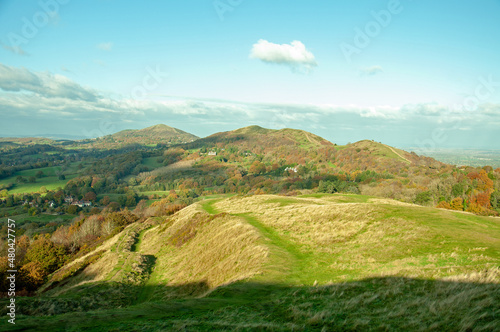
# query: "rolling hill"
267 262
273 144
151 136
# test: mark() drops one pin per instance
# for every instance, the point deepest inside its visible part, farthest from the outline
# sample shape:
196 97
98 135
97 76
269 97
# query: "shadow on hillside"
389 303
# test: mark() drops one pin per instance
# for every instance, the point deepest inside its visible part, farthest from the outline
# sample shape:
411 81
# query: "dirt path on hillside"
400 156
313 141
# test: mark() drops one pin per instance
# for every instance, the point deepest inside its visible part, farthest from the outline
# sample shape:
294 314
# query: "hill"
256 139
283 143
278 263
151 136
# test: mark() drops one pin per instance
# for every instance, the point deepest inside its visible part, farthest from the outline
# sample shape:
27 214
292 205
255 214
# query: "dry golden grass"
113 265
349 241
223 249
89 270
389 201
306 222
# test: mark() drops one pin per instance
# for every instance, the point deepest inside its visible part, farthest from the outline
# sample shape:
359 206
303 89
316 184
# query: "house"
69 199
212 153
82 203
292 169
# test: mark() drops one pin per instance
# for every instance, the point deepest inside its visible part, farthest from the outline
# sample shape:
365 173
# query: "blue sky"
408 73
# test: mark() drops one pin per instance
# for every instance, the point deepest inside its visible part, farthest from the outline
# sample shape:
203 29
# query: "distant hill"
368 154
255 135
287 145
158 134
299 147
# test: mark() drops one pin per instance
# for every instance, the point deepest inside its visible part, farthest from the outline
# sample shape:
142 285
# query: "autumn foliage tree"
49 255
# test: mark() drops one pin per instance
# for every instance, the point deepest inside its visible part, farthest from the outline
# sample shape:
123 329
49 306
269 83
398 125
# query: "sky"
408 73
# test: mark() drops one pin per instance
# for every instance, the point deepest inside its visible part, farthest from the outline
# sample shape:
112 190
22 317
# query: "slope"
158 134
279 263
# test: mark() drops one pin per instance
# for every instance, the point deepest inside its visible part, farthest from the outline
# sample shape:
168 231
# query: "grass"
50 181
151 162
208 202
201 249
271 263
40 219
372 304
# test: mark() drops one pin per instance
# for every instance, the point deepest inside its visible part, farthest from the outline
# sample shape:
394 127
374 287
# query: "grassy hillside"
158 134
317 262
257 139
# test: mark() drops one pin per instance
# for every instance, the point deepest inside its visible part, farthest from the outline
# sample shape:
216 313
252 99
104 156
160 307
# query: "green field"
50 179
273 263
151 162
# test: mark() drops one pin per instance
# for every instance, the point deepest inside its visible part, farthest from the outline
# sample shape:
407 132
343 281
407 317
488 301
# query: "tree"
443 205
33 211
423 197
483 199
49 255
21 179
90 196
39 174
457 204
113 206
32 275
457 190
72 209
105 200
130 201
495 200
257 167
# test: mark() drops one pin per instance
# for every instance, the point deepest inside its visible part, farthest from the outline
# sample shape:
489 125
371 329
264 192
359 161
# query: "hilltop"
274 262
255 138
151 136
160 134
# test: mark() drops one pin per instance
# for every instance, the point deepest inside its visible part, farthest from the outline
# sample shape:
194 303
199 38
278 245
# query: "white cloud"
294 55
370 71
35 98
44 84
108 46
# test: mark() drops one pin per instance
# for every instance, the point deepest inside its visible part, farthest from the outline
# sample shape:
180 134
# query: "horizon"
343 71
424 151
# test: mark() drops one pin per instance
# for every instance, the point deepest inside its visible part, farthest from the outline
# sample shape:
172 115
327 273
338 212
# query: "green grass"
207 203
151 162
340 198
282 201
370 305
288 263
159 193
39 219
382 265
50 181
